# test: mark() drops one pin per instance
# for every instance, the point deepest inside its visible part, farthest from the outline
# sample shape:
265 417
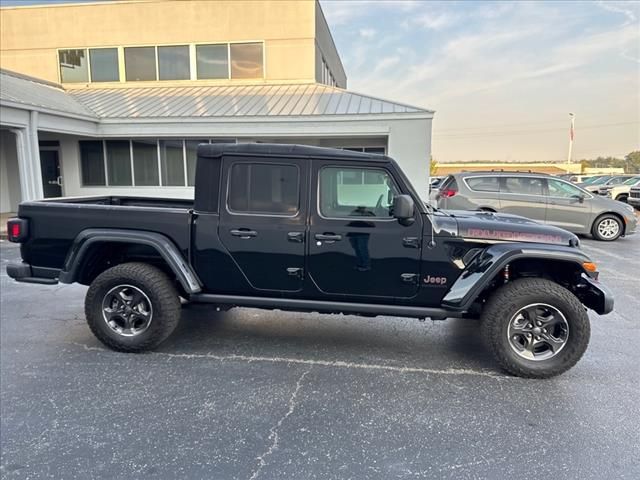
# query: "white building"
81 135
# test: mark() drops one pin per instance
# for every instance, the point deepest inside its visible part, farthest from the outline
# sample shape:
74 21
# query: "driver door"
566 206
356 247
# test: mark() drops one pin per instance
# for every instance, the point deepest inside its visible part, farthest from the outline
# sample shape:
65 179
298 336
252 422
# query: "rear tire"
607 228
132 307
540 314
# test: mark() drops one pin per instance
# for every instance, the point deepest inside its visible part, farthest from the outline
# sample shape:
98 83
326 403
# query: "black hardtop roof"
214 150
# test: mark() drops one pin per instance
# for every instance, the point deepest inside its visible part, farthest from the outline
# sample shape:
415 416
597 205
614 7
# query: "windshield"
631 181
589 180
599 181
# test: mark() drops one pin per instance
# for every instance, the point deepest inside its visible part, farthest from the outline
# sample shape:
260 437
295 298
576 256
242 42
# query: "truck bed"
55 223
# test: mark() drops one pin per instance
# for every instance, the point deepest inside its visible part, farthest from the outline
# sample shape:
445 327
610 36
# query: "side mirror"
403 209
579 198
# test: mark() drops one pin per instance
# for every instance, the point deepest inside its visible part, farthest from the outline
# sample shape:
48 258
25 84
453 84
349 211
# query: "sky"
501 76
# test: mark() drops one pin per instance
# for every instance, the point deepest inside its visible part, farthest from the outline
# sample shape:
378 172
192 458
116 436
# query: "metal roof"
32 92
233 101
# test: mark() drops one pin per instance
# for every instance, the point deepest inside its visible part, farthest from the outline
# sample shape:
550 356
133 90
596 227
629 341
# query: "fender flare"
485 266
165 248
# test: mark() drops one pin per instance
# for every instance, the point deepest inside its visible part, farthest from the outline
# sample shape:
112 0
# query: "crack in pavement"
274 436
323 363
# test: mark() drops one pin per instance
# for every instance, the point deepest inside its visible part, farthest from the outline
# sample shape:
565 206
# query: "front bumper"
23 272
595 296
635 201
631 223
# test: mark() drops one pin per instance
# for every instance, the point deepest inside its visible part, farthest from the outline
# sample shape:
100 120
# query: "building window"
263 188
192 156
173 63
104 64
140 63
73 66
118 163
246 60
172 163
145 162
212 61
92 163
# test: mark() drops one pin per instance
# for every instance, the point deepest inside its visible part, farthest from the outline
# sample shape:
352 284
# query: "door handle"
244 233
297 237
328 237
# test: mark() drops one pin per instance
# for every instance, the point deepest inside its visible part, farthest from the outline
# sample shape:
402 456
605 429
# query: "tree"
433 167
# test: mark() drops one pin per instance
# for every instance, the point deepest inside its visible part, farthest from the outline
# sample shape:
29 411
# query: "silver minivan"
539 197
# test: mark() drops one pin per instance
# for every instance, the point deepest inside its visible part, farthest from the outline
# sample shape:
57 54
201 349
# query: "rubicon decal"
515 236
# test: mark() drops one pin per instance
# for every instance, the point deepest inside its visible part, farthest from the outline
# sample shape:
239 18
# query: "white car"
620 192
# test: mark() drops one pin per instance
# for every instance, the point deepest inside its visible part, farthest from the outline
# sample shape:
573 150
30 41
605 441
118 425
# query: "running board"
321 306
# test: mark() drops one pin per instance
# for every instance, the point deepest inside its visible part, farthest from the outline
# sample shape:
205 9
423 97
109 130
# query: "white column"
34 157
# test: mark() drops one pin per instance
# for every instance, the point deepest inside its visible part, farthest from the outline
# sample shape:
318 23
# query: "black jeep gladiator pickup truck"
310 229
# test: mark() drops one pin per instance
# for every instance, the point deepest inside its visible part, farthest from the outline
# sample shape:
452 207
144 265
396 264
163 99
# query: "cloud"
437 21
624 8
367 32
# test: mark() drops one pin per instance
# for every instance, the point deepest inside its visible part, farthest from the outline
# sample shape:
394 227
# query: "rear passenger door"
524 196
263 221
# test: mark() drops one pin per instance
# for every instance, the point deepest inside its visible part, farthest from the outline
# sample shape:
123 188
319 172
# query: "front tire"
132 307
607 228
535 328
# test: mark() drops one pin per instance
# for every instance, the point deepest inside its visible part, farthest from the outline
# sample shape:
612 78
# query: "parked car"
619 192
634 197
596 185
540 197
314 230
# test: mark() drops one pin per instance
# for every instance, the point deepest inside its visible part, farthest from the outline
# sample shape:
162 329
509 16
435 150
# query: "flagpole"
572 117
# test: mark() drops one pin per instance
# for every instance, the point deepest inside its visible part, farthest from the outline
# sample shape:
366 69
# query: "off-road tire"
156 286
508 300
607 216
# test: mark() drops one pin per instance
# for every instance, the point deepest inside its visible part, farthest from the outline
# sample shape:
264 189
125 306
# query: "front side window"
104 64
212 61
140 63
523 186
246 60
263 188
356 192
173 63
563 189
73 66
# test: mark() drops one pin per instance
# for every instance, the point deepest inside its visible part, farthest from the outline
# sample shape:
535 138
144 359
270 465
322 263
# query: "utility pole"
572 117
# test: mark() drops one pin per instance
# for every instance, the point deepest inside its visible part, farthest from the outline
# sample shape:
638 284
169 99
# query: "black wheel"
622 198
535 328
607 228
132 307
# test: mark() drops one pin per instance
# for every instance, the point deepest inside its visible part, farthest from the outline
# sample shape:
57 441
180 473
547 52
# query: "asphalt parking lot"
249 394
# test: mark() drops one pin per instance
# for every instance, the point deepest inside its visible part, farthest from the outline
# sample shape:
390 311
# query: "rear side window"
483 184
523 185
264 189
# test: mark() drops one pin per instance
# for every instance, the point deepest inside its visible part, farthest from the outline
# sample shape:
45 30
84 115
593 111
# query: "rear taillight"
17 229
448 192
